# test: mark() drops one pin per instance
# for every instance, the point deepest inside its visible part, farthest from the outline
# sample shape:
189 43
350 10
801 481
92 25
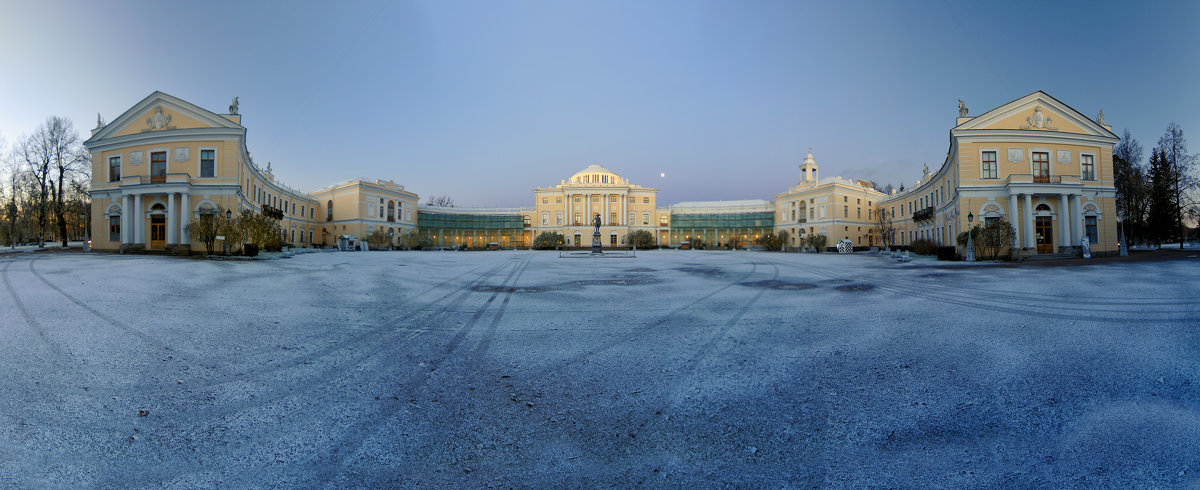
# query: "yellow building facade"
570 207
1036 162
835 207
165 163
358 207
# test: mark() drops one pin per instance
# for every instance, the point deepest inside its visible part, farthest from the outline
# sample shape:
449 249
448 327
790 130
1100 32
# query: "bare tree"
37 151
440 201
884 228
1173 146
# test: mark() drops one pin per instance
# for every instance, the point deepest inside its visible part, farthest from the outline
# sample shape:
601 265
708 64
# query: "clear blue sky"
487 100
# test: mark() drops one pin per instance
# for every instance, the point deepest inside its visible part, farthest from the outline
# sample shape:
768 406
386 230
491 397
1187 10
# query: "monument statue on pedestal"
596 234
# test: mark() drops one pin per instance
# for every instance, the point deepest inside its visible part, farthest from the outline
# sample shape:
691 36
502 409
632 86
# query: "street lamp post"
970 241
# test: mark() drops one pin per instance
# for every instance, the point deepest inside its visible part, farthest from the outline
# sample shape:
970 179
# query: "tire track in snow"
635 333
200 419
1043 306
143 336
354 437
30 319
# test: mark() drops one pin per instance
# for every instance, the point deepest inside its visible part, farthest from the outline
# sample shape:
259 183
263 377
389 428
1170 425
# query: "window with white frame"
990 170
208 163
1089 227
114 169
1087 165
545 218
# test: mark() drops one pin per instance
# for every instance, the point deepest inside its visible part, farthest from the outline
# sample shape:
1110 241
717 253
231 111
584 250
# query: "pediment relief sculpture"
1038 120
158 121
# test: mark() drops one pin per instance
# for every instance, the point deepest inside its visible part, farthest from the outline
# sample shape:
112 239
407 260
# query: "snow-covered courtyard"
518 368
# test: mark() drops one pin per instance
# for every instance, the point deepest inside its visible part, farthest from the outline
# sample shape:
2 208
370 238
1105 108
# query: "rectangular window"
1088 167
114 228
859 213
845 211
577 220
558 199
646 219
632 218
545 200
663 220
208 160
558 217
1089 227
645 200
612 218
1041 167
578 198
595 198
989 165
632 200
612 198
545 218
158 166
114 169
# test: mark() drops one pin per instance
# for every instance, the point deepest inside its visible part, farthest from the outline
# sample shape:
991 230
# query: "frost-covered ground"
517 368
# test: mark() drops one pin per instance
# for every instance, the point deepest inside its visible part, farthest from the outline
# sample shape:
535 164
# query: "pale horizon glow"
485 101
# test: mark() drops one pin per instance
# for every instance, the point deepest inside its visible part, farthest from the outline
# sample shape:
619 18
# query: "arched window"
329 210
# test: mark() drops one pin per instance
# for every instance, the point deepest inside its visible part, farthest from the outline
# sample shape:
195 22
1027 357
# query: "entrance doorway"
1045 236
158 231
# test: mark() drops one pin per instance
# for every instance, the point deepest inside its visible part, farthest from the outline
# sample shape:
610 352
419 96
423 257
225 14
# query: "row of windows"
262 197
595 198
158 166
723 220
612 219
1040 167
470 221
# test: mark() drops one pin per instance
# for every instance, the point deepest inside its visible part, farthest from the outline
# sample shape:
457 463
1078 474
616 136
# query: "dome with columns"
595 174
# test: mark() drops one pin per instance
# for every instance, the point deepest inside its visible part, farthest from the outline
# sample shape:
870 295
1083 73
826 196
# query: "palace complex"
1035 161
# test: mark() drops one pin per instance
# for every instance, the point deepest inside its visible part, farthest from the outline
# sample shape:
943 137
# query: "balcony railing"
923 214
158 179
1041 179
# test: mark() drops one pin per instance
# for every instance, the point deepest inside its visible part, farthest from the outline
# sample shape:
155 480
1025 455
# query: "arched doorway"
158 226
1043 229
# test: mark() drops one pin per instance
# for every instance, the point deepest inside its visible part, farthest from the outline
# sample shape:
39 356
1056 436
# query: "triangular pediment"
162 112
1036 112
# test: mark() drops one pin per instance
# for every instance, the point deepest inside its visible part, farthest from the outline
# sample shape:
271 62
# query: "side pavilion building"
1038 163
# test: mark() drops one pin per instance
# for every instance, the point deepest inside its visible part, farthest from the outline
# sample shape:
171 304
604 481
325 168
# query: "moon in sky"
661 175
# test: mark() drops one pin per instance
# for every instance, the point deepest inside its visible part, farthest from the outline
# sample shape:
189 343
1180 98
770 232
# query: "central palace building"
1035 162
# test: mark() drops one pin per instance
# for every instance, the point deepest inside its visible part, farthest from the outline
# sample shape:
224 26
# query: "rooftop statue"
962 108
233 108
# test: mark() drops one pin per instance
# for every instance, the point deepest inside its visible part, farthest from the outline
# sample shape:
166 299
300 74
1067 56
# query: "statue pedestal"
596 242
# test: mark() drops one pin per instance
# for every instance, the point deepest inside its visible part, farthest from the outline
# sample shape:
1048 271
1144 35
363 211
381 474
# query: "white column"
185 217
126 219
1076 219
172 218
1014 219
567 209
1030 242
1065 228
138 220
624 209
